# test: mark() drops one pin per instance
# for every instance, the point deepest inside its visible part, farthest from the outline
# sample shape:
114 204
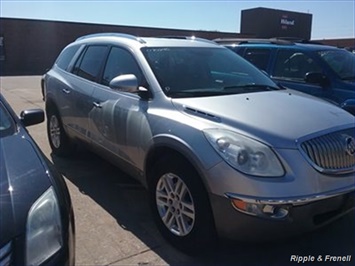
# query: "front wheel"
58 139
181 206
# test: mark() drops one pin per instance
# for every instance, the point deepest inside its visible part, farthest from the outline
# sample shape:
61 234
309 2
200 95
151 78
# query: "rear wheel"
58 140
181 206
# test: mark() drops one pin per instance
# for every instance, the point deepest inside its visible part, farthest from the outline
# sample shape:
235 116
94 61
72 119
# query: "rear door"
86 72
56 84
260 57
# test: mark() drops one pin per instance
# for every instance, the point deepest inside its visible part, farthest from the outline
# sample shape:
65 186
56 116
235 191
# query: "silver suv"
222 150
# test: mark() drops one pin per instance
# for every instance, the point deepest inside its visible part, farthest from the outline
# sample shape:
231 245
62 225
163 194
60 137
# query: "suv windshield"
7 126
341 61
195 72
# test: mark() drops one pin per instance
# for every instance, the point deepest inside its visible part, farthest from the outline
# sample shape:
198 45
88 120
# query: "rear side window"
66 56
89 64
258 57
237 49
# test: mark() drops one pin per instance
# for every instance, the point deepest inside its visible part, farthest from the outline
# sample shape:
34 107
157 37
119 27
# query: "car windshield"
7 126
198 72
341 61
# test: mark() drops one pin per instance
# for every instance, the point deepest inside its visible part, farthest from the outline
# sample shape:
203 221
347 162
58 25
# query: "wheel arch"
165 146
50 104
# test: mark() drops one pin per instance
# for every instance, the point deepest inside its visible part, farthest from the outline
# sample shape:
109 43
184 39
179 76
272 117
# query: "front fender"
197 151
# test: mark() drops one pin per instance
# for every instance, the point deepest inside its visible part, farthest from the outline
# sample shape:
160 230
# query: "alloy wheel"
54 128
175 204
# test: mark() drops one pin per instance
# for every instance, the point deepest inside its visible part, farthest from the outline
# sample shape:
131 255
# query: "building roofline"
113 25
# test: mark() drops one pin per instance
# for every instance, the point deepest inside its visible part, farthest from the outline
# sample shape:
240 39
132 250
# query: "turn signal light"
261 210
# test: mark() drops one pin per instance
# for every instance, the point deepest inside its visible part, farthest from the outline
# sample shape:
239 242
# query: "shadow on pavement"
127 202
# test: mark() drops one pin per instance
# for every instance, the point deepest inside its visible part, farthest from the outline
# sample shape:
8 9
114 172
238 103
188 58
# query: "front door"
290 69
119 118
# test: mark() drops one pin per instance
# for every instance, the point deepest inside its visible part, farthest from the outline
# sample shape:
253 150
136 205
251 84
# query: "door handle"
97 105
66 91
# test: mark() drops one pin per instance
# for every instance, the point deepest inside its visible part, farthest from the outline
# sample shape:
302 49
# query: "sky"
330 19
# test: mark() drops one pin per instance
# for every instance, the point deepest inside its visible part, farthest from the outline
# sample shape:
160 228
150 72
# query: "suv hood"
277 118
23 179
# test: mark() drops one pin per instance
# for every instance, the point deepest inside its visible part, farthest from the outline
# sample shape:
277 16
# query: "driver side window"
120 62
291 64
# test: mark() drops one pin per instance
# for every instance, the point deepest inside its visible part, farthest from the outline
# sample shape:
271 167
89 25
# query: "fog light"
261 210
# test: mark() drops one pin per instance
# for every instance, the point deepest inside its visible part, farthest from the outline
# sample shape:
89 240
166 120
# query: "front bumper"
307 199
303 215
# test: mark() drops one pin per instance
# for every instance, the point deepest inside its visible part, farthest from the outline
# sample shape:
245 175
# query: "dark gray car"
221 148
36 214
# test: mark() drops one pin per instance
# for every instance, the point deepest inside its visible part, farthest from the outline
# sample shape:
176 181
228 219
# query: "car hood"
277 118
23 179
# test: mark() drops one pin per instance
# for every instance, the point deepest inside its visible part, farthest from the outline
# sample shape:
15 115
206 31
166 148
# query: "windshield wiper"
221 91
197 93
250 88
194 93
348 78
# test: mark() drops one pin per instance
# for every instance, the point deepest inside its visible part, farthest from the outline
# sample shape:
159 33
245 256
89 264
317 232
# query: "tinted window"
291 64
237 49
66 56
120 62
259 57
89 64
341 61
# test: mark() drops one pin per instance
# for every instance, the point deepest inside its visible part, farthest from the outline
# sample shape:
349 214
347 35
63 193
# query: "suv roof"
158 41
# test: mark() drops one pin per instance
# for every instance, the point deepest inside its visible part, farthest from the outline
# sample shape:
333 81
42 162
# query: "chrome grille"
5 255
332 153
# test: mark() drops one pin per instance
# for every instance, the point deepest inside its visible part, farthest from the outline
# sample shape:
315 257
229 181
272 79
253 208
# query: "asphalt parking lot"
114 224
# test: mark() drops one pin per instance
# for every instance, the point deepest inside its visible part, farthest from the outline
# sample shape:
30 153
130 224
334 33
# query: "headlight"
244 154
43 229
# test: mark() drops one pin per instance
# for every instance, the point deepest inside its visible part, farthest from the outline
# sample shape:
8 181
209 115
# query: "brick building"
29 47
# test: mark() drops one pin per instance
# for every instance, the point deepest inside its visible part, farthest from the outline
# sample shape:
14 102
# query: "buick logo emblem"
350 145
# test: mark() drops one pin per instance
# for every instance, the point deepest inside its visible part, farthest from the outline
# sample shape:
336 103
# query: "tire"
58 139
181 206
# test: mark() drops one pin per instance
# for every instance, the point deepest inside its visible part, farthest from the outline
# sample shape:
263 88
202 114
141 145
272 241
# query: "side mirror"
349 105
127 82
316 78
32 117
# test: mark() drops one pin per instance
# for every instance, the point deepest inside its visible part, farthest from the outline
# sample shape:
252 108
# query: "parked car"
222 149
37 221
323 71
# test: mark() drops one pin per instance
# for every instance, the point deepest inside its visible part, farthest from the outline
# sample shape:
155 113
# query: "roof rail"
275 40
297 40
251 40
182 37
113 34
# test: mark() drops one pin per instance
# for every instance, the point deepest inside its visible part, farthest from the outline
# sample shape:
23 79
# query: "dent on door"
120 126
